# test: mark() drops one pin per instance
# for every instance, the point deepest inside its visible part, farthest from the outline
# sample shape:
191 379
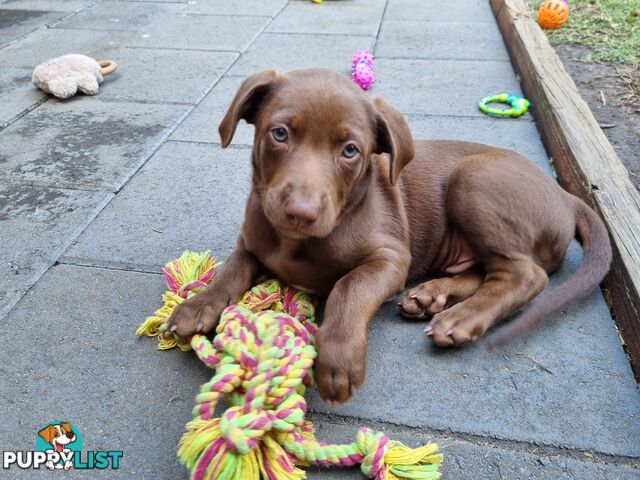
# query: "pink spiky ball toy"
362 69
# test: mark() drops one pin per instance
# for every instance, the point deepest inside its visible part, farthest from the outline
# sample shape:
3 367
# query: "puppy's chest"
297 265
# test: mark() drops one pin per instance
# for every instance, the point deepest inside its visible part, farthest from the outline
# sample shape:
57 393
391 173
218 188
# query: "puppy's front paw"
199 314
340 367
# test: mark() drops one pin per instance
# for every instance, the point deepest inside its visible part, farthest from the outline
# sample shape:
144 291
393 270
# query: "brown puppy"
331 212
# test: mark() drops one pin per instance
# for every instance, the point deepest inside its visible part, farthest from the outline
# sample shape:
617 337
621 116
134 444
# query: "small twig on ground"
175 397
603 98
607 125
534 361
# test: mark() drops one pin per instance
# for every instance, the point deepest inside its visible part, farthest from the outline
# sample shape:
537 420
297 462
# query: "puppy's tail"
596 261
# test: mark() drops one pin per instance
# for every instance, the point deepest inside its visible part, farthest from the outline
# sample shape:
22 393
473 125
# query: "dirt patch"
612 91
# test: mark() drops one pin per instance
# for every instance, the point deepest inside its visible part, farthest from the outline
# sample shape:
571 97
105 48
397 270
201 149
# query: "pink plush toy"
362 65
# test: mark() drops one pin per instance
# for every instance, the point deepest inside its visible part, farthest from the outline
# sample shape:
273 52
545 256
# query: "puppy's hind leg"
434 296
510 284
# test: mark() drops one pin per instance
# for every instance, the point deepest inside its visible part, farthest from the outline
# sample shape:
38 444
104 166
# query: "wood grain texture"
584 160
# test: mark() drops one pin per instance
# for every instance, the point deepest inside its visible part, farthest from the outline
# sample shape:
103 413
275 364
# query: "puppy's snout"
301 210
71 435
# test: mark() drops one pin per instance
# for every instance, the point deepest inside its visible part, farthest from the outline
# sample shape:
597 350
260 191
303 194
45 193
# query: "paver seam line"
484 441
379 29
435 58
4 310
38 184
190 14
109 265
46 25
246 147
24 112
141 47
311 34
90 218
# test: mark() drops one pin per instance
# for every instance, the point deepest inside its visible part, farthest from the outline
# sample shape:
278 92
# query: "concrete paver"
152 75
267 8
441 40
451 11
202 123
465 460
190 184
133 16
50 5
205 32
16 23
17 93
560 404
116 388
36 225
585 403
44 44
290 51
356 17
83 143
442 87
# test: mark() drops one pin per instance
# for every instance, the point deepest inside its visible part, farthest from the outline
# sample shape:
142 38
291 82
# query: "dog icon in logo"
59 436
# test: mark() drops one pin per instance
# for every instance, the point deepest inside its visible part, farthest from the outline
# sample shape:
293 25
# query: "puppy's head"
315 134
58 435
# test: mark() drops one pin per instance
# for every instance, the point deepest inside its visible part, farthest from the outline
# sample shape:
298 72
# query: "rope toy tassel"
263 355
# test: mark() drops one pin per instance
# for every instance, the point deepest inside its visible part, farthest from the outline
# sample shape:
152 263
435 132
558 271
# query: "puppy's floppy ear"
66 427
245 104
393 137
47 433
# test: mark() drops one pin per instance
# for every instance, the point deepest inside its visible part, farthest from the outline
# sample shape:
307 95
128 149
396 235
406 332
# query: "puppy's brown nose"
301 209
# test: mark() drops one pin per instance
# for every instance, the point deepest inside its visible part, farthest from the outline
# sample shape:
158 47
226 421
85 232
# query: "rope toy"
553 14
362 69
263 355
519 105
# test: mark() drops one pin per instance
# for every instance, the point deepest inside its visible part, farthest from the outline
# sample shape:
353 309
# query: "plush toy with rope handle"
263 355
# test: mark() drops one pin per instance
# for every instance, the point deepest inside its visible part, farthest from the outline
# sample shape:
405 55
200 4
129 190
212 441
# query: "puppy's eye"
279 134
350 151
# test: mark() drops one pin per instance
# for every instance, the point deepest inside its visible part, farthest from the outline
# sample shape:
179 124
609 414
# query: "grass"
611 28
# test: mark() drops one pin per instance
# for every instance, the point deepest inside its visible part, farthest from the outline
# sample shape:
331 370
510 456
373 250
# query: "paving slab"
356 17
431 10
50 5
17 93
587 399
206 32
132 16
36 225
442 87
464 460
291 51
193 196
48 43
440 40
516 134
81 361
15 23
201 125
268 8
143 75
83 142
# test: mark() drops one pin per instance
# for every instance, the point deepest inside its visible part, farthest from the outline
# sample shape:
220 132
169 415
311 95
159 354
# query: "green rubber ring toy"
519 105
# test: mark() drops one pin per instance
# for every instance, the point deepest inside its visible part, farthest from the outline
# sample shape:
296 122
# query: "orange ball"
553 14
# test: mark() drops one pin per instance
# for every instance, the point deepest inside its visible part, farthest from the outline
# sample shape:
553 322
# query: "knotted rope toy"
519 105
263 355
362 69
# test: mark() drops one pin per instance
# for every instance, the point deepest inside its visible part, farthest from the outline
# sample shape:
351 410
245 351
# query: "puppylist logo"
59 447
